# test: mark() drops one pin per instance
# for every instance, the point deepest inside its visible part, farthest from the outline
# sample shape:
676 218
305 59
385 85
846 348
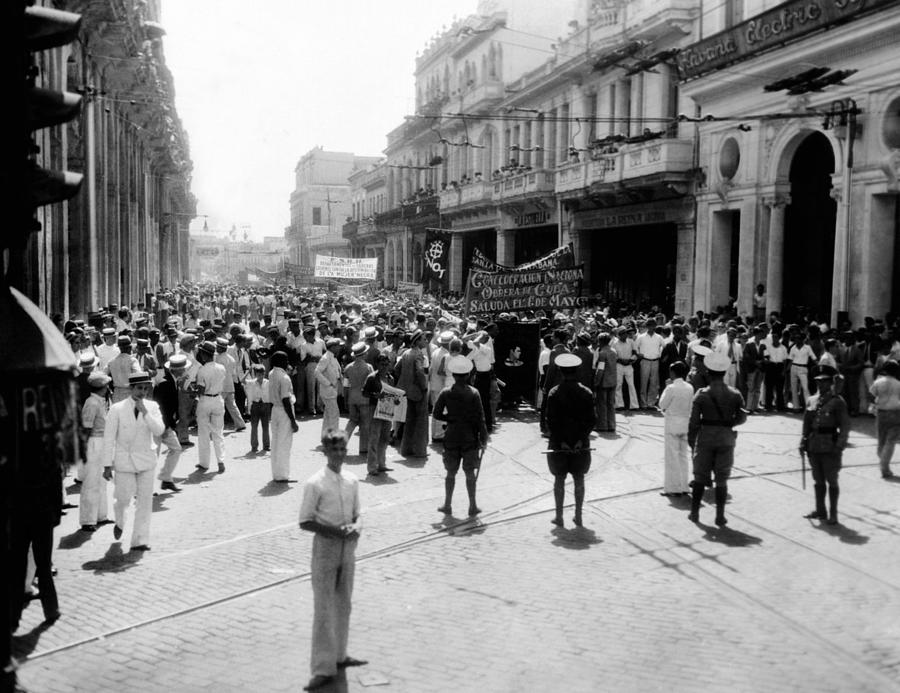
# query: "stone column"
506 246
562 142
502 157
684 268
775 259
623 110
746 258
547 158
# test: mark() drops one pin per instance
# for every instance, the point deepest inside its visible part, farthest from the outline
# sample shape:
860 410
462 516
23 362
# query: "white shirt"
256 391
649 346
481 355
675 403
800 356
211 377
330 498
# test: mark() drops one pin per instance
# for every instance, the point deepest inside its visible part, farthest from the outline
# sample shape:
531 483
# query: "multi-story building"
530 142
125 234
320 204
799 144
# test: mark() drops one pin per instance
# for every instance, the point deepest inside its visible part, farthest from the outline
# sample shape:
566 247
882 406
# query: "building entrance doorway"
809 224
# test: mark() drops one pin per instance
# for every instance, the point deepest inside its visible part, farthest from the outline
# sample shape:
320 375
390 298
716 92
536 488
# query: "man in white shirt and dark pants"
330 508
649 347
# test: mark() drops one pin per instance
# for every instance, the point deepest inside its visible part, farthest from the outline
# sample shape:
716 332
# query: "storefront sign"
207 251
524 290
636 218
786 22
346 267
533 218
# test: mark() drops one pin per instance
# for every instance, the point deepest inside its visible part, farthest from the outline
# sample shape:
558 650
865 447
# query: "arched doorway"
809 224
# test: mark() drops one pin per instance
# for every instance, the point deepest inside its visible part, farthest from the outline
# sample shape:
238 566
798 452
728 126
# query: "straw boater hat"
87 361
139 378
98 379
446 337
359 349
178 361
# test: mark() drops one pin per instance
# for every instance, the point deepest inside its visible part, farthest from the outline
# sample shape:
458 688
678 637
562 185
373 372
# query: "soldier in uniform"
715 410
460 406
826 425
570 420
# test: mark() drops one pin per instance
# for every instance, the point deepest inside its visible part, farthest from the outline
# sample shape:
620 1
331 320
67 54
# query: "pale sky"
258 84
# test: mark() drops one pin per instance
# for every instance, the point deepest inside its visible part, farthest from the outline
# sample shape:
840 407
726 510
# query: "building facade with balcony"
320 203
800 156
125 233
439 163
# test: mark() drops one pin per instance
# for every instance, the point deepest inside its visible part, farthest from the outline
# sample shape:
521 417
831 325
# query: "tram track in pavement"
495 517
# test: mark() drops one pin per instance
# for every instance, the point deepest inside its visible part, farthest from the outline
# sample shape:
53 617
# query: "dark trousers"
240 398
259 414
36 534
774 381
482 383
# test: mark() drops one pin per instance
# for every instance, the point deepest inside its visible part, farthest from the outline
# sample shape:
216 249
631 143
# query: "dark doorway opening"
534 242
809 226
635 265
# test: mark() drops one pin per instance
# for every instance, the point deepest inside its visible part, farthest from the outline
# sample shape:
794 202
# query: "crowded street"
638 599
494 346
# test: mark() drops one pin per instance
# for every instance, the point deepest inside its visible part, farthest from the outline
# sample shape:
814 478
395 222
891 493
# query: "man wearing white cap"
570 420
715 410
128 445
460 406
93 504
107 351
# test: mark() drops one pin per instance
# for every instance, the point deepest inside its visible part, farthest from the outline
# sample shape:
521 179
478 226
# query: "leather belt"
207 394
623 362
801 365
646 359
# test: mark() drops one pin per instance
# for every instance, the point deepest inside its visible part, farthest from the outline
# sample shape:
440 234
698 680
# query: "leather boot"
721 497
696 498
819 512
833 493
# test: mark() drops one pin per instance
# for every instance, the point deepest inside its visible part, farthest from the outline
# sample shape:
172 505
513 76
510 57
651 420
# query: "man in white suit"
128 446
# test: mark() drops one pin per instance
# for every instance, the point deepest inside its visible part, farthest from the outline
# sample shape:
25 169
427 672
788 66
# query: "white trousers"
799 383
331 419
173 453
233 411
675 478
333 566
626 373
282 437
137 485
93 504
210 426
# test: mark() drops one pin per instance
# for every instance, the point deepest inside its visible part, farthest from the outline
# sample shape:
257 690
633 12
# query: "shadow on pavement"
378 479
412 461
728 536
339 685
844 533
276 488
73 489
159 500
74 540
893 479
578 538
199 476
114 561
26 643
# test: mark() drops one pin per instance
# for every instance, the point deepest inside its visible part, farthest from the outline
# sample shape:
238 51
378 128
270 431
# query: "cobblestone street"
639 599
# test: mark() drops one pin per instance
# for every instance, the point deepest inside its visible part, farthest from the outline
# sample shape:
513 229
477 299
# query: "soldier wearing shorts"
466 434
715 410
570 420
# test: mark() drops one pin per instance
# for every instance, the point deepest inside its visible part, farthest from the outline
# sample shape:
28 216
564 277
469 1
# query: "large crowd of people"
404 371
